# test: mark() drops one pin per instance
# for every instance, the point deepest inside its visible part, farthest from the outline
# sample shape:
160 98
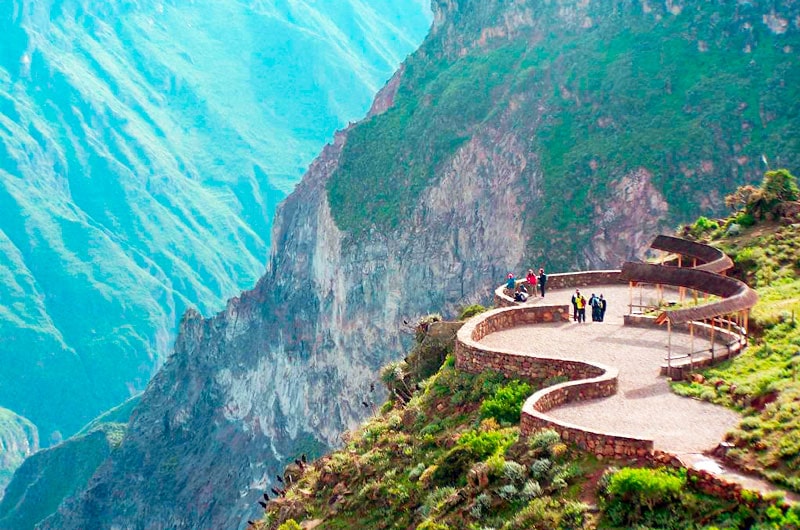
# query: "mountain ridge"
143 149
289 363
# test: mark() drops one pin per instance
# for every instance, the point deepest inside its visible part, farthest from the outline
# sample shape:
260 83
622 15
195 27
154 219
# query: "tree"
780 186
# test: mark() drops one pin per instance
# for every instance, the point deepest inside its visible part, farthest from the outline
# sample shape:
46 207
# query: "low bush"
506 404
471 310
642 496
703 225
488 443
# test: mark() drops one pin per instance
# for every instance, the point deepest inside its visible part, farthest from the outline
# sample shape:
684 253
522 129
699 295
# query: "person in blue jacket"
512 282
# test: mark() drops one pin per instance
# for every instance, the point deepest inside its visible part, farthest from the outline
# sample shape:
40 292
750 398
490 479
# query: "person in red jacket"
531 279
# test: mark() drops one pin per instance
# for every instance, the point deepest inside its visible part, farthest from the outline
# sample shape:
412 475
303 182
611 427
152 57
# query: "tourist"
531 279
603 305
574 302
581 309
542 280
522 293
511 283
578 307
594 303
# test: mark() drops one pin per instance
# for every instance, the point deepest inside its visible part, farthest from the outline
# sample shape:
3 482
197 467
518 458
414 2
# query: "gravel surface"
644 406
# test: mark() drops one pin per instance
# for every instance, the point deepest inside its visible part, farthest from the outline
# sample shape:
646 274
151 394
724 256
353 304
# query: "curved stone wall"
587 380
592 380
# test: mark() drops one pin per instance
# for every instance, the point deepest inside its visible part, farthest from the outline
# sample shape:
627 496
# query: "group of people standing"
529 287
533 283
579 303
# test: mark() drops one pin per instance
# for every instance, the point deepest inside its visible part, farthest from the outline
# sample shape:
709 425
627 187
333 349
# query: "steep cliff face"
143 149
426 204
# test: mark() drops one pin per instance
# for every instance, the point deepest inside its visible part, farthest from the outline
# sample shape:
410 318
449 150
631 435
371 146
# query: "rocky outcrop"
285 368
287 365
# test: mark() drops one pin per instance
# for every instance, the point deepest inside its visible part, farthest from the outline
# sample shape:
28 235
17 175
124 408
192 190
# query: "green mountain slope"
449 456
49 476
143 148
600 96
18 438
763 382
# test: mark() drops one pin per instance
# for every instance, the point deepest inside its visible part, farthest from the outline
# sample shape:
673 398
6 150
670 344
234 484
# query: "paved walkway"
644 406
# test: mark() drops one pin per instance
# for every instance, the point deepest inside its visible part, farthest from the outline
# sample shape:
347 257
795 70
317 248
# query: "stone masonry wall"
586 380
600 443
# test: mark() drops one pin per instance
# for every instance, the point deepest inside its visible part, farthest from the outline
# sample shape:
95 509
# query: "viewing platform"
610 393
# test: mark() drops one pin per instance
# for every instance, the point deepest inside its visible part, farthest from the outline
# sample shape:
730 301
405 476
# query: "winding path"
607 393
644 406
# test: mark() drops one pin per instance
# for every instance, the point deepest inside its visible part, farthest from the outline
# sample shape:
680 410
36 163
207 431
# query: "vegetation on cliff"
18 439
49 476
448 455
763 237
590 98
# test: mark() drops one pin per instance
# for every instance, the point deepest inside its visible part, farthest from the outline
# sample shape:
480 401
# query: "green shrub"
471 310
291 524
514 471
745 219
574 514
530 491
542 512
780 186
434 501
646 487
641 496
703 225
452 467
483 503
540 467
544 441
488 443
506 404
431 525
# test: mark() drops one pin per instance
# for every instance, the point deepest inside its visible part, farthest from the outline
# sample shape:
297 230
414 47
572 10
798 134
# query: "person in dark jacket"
542 280
603 305
578 306
594 303
522 293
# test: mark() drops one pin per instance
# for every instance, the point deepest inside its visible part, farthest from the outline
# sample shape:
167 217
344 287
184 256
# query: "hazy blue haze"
143 148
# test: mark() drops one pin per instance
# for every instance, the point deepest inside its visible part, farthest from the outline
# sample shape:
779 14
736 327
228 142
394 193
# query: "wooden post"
641 297
669 348
630 296
746 315
691 347
713 328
